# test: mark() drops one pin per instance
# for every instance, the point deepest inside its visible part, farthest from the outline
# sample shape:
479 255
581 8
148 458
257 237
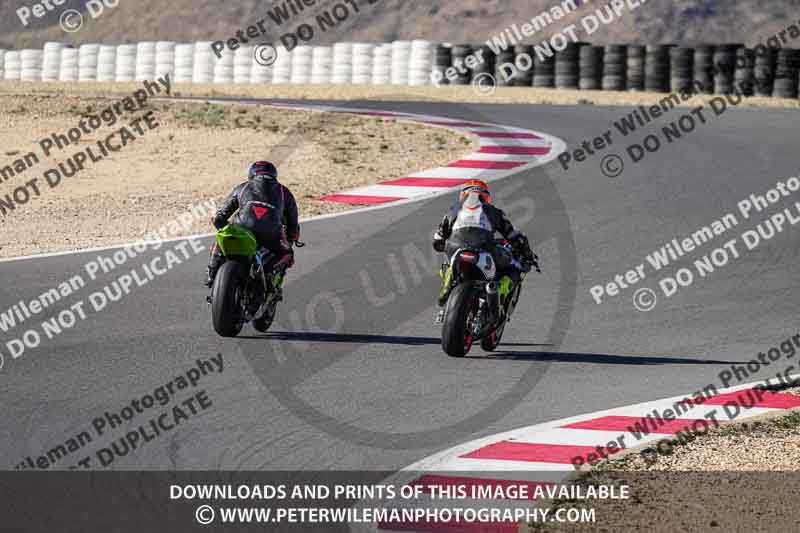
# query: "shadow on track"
596 358
348 338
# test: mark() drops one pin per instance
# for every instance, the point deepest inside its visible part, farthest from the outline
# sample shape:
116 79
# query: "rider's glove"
439 242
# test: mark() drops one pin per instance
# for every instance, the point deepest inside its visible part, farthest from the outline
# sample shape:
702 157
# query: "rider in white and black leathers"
266 208
472 223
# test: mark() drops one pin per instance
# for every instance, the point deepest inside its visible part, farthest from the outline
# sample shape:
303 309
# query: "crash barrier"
710 69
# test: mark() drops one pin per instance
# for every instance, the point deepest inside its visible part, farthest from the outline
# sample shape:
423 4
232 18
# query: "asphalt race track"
377 392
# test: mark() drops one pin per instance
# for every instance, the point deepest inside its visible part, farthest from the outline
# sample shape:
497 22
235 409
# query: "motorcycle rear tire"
455 341
491 342
225 308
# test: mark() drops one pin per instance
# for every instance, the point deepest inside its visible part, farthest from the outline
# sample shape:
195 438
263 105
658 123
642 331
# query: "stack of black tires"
544 71
615 67
460 52
567 67
590 66
505 57
656 68
704 68
725 68
764 71
443 61
635 73
744 79
681 69
787 69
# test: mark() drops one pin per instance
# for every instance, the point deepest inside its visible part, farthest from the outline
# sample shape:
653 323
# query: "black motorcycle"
478 307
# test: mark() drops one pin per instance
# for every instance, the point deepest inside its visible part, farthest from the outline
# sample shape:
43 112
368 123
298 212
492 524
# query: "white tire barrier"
126 63
382 65
2 64
260 74
88 59
223 68
165 59
243 61
342 63
421 60
31 65
282 69
321 64
301 64
51 61
107 63
184 63
145 61
12 65
362 63
401 57
68 70
204 59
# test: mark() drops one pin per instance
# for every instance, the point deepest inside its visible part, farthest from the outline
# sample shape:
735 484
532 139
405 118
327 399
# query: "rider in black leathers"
472 223
266 208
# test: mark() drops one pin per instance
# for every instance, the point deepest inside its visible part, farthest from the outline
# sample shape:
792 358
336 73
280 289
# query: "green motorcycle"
247 287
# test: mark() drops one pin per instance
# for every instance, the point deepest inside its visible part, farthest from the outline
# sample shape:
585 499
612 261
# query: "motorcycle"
478 308
247 287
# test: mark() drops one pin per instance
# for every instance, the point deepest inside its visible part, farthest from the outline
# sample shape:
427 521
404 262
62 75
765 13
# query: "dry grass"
198 152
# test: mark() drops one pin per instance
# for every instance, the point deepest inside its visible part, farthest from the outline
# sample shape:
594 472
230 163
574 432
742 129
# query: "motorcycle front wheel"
462 306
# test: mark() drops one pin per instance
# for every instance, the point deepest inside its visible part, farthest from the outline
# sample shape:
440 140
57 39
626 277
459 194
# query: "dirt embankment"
197 152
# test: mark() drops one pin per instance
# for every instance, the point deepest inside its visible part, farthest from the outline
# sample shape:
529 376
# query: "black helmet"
262 168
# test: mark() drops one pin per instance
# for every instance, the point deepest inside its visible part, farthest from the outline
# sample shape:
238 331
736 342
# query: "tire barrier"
544 72
401 57
145 61
420 63
704 68
126 63
787 67
12 65
743 77
590 68
459 54
301 63
68 65
342 57
656 68
681 72
567 68
184 63
31 65
363 54
203 63
635 73
725 67
165 59
615 66
443 60
282 69
764 72
382 65
51 61
708 69
107 63
489 63
243 61
507 56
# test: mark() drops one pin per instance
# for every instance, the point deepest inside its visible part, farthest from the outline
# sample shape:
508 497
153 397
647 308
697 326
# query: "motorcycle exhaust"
492 298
